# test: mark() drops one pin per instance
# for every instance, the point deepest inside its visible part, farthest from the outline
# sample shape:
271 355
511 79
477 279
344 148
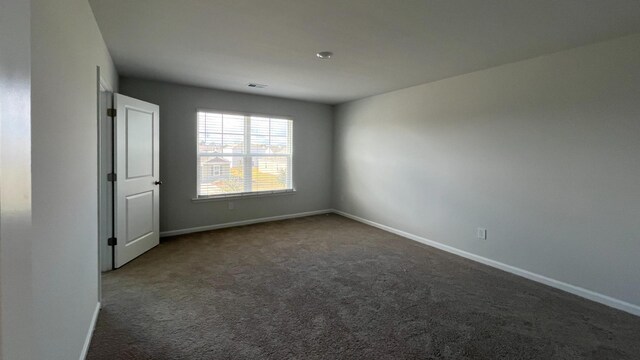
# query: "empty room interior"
366 179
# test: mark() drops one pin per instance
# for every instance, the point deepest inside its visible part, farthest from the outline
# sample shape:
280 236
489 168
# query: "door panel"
139 216
137 169
139 148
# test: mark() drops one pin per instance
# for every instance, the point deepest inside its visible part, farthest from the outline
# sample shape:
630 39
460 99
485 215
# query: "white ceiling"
379 45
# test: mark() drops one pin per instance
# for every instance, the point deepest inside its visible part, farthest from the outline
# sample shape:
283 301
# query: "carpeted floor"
326 287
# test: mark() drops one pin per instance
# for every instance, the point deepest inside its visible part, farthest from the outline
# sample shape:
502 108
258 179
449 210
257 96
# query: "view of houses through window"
243 153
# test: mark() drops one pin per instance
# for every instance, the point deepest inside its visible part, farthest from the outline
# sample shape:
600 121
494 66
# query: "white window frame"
247 156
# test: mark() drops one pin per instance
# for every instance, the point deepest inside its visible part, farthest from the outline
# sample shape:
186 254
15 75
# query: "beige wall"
544 153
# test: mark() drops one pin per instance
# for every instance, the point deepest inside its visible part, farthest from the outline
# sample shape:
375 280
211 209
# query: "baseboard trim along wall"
92 326
576 290
242 222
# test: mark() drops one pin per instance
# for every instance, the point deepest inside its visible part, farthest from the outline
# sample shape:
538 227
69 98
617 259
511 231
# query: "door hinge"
112 241
112 112
111 177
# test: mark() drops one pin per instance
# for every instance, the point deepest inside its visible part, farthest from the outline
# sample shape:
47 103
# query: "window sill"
243 195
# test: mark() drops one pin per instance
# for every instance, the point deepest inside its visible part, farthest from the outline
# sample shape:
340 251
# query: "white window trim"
247 154
254 194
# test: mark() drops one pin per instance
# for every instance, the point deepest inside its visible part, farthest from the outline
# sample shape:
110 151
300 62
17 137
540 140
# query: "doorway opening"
128 177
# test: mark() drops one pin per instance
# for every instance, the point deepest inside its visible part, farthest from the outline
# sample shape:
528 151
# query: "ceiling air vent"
257 86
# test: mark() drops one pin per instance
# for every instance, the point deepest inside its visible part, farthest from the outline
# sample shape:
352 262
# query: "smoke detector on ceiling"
257 86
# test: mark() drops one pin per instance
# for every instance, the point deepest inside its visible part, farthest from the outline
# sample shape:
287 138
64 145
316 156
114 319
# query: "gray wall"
544 153
15 180
312 139
66 48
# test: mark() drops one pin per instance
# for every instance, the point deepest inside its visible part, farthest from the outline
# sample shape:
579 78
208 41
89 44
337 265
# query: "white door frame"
105 165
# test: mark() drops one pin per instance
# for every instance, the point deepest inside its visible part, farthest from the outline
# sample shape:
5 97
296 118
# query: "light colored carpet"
326 287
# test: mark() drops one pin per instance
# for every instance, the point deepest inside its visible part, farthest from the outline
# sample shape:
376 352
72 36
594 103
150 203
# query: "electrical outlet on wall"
482 233
231 205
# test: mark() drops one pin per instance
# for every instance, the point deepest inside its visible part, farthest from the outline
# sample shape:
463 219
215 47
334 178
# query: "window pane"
259 144
222 141
279 145
280 127
209 143
220 175
259 126
269 173
233 124
210 122
233 144
209 127
270 136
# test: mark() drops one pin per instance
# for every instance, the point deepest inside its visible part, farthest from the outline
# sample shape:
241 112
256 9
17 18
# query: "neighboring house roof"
217 160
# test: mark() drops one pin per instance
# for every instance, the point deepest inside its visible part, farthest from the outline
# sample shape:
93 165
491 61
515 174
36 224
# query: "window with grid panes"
242 154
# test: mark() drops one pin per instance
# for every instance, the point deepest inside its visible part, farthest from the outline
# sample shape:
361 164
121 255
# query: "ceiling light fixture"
324 54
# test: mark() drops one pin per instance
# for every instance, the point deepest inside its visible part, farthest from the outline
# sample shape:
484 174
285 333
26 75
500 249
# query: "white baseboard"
92 326
573 289
576 290
242 222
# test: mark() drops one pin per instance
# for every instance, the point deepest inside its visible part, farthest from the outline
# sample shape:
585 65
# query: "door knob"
157 182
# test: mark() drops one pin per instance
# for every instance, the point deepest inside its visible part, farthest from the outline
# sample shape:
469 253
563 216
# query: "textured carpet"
326 287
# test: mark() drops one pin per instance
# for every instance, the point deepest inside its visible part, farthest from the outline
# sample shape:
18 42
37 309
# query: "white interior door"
137 177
